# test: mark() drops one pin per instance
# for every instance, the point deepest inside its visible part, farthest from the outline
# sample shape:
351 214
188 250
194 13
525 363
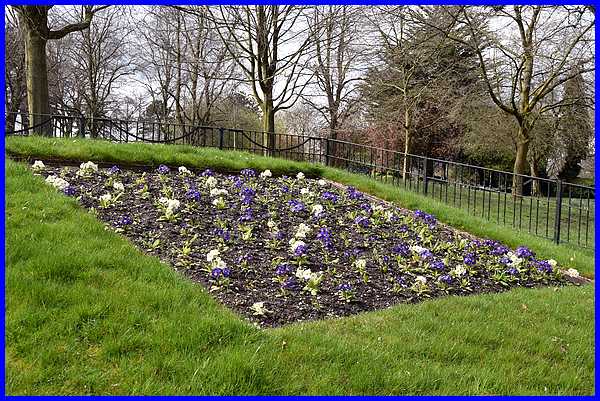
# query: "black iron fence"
560 211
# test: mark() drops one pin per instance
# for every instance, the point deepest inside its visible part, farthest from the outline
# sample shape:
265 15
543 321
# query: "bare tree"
521 70
34 19
255 37
14 69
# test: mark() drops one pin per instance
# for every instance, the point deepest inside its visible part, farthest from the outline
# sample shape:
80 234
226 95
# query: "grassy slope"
175 155
87 313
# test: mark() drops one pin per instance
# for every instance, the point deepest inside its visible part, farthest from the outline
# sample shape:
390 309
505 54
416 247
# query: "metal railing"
559 211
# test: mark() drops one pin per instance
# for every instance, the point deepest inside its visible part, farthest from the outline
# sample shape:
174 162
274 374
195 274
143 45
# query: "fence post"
425 162
221 135
558 213
82 127
327 151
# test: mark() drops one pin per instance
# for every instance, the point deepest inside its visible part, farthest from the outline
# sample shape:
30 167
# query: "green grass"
88 313
51 148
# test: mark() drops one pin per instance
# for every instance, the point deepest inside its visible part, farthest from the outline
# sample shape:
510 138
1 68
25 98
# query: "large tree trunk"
520 166
268 121
37 82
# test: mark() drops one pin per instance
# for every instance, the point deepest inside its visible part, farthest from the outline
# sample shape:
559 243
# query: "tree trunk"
535 184
268 125
37 82
405 165
520 166
331 157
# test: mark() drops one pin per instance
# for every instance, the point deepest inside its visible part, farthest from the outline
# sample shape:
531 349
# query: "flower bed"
286 249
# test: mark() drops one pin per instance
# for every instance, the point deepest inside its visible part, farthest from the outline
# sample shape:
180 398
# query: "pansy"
524 253
172 204
322 182
401 249
296 205
353 193
298 247
513 271
282 269
330 196
218 272
317 210
427 218
57 182
114 170
438 265
421 280
362 221
218 192
211 182
303 274
344 287
69 191
118 186
210 256
272 225
87 168
184 171
247 195
571 272
192 194
470 259
300 175
304 191
290 284
302 230
207 173
360 264
514 259
544 266
248 214
248 172
324 236
259 309
505 261
125 221
499 250
266 174
445 278
38 166
459 270
162 169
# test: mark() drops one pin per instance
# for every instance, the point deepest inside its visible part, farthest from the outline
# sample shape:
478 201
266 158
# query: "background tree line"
508 87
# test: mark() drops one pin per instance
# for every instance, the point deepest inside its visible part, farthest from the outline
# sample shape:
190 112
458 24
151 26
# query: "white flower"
572 272
360 264
271 224
304 274
212 255
514 259
259 308
184 170
294 244
117 185
87 168
553 263
421 280
300 175
378 208
211 181
57 182
459 271
389 215
105 198
302 230
417 249
317 210
266 174
219 263
322 182
218 192
304 191
38 165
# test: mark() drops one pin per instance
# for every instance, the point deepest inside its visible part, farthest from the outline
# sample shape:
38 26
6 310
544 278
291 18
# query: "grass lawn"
88 313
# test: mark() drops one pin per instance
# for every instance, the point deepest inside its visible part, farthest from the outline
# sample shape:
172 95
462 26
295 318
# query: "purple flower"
490 243
225 234
445 279
216 273
70 191
438 265
362 221
162 169
207 173
248 172
505 261
344 287
544 266
300 250
330 196
512 271
125 221
192 194
499 250
248 195
426 254
401 249
524 253
470 259
226 272
285 189
283 269
324 236
247 216
114 170
280 235
367 208
427 218
296 206
400 281
290 284
353 193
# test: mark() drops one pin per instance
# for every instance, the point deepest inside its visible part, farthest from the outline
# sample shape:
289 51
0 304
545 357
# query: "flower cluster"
57 182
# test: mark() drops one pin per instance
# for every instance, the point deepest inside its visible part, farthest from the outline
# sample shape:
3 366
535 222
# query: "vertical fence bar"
558 211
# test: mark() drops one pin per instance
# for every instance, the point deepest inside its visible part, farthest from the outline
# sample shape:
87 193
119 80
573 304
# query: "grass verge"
86 313
175 155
